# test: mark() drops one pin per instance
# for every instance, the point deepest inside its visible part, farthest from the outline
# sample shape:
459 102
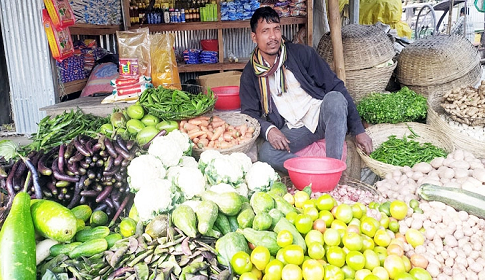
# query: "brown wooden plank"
89 105
92 29
75 86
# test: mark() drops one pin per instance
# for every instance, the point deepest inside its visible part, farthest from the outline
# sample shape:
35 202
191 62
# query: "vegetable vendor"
295 96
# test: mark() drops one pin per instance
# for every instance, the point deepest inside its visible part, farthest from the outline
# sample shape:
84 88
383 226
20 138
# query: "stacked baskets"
437 64
381 132
367 51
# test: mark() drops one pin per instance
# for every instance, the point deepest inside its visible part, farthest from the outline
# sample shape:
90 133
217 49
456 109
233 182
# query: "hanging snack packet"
60 41
60 12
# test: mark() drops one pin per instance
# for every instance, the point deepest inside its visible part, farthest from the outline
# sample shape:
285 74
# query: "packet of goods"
60 12
164 63
135 44
129 68
60 41
127 89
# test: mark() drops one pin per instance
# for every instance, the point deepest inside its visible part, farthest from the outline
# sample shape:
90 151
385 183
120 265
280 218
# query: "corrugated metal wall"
28 62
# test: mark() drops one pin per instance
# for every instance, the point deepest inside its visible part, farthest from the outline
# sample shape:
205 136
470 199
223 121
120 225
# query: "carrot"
203 128
210 134
211 144
227 136
225 145
243 128
251 129
217 133
196 134
183 130
182 123
218 124
216 119
204 123
195 140
203 143
189 126
248 135
195 121
197 129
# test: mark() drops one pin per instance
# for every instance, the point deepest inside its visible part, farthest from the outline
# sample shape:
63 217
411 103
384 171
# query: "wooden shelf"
211 24
75 86
221 66
92 29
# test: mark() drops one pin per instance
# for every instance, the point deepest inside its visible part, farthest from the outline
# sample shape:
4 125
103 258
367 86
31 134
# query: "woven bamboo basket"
362 82
235 119
436 60
459 140
381 132
470 79
364 46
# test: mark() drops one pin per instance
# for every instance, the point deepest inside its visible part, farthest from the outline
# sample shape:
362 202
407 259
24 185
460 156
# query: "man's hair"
462 10
265 13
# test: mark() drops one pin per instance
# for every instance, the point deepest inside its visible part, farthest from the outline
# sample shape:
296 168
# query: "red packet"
129 68
60 41
60 12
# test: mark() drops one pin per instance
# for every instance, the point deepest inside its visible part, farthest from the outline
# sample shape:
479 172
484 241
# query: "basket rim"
380 168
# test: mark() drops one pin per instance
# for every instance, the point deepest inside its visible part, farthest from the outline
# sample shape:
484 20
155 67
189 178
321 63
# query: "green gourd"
17 242
183 217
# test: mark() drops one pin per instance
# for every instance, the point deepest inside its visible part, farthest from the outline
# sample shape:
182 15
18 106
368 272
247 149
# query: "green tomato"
146 134
135 111
150 120
106 129
168 126
134 126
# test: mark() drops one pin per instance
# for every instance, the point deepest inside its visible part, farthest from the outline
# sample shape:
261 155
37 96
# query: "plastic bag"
60 41
385 11
164 64
60 12
319 149
135 44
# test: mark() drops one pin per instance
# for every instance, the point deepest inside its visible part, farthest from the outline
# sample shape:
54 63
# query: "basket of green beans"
404 144
178 104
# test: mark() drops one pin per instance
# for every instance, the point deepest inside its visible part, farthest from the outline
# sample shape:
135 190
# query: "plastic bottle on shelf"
182 15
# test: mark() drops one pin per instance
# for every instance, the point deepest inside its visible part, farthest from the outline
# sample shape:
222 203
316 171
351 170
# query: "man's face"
267 37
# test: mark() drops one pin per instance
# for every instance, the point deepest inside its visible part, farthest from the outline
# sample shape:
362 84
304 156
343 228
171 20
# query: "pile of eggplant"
86 170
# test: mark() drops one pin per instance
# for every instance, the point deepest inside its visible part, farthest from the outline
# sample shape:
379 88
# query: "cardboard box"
229 78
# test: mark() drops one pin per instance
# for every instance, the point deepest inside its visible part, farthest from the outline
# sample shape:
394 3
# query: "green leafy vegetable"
405 152
8 149
404 105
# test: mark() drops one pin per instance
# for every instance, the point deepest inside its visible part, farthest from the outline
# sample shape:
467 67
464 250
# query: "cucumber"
459 199
53 220
17 242
82 212
64 248
89 248
112 238
92 233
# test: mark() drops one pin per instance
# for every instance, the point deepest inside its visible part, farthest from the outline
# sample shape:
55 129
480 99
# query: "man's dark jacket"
314 76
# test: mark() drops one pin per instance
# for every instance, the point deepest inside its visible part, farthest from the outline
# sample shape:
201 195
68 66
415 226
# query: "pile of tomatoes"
343 242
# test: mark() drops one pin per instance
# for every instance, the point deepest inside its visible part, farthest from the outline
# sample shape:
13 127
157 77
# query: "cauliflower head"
144 169
153 199
182 139
223 170
190 181
261 176
188 161
206 157
167 150
243 160
222 188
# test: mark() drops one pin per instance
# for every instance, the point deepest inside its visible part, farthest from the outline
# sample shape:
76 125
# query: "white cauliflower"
173 173
223 170
168 150
243 160
182 139
144 169
261 176
206 157
188 162
242 189
191 181
222 188
153 199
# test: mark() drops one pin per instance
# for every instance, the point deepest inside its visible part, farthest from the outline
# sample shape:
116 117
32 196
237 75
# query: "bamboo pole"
336 37
450 13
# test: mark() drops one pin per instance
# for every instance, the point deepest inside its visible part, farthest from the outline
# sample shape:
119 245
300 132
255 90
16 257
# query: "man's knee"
335 99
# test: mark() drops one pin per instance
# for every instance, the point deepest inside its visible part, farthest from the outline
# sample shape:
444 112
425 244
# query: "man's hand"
278 140
364 142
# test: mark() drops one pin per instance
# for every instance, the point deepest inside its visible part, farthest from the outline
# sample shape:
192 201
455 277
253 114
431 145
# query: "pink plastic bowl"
227 97
322 173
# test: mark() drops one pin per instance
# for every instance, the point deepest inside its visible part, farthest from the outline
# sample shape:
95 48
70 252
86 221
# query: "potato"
437 162
422 167
461 173
459 164
446 172
479 174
